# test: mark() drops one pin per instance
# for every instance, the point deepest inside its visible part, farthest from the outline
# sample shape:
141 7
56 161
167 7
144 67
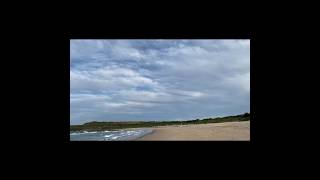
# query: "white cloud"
107 79
158 79
241 81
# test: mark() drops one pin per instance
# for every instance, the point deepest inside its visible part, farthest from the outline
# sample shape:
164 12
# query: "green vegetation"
100 126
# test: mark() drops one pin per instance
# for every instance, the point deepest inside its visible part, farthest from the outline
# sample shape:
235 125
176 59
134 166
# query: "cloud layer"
123 80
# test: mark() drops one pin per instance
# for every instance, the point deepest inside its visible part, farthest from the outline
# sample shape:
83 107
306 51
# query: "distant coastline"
102 126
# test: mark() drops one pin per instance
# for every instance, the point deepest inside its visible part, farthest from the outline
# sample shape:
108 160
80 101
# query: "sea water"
120 135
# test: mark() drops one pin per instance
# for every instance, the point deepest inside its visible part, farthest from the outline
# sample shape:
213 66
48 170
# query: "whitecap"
91 132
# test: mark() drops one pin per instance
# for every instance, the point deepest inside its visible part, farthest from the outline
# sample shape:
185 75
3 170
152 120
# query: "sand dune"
203 132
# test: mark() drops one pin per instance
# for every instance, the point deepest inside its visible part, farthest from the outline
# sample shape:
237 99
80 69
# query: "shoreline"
120 135
226 131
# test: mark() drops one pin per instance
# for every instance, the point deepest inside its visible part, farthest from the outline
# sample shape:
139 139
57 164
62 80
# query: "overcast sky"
124 80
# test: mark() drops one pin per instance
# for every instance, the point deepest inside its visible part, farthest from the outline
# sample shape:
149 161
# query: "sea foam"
120 135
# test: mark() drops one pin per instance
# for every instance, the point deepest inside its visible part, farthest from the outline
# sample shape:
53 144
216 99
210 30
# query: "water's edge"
120 135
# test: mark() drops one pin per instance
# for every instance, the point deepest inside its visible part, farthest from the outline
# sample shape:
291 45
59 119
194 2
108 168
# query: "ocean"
120 135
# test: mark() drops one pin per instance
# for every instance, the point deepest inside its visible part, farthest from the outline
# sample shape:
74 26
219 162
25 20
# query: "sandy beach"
203 132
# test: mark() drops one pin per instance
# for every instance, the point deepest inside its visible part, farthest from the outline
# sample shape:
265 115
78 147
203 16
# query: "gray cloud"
158 79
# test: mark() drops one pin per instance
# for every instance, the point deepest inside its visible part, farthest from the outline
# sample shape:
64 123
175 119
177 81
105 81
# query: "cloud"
107 79
158 79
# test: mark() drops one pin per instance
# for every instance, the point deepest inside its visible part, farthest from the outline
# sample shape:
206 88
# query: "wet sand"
203 132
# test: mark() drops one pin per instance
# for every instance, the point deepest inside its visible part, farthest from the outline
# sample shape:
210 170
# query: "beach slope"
204 132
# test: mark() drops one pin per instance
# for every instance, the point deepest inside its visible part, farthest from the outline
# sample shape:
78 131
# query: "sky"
142 80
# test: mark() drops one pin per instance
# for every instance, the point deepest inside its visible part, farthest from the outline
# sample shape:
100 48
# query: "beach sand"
203 132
